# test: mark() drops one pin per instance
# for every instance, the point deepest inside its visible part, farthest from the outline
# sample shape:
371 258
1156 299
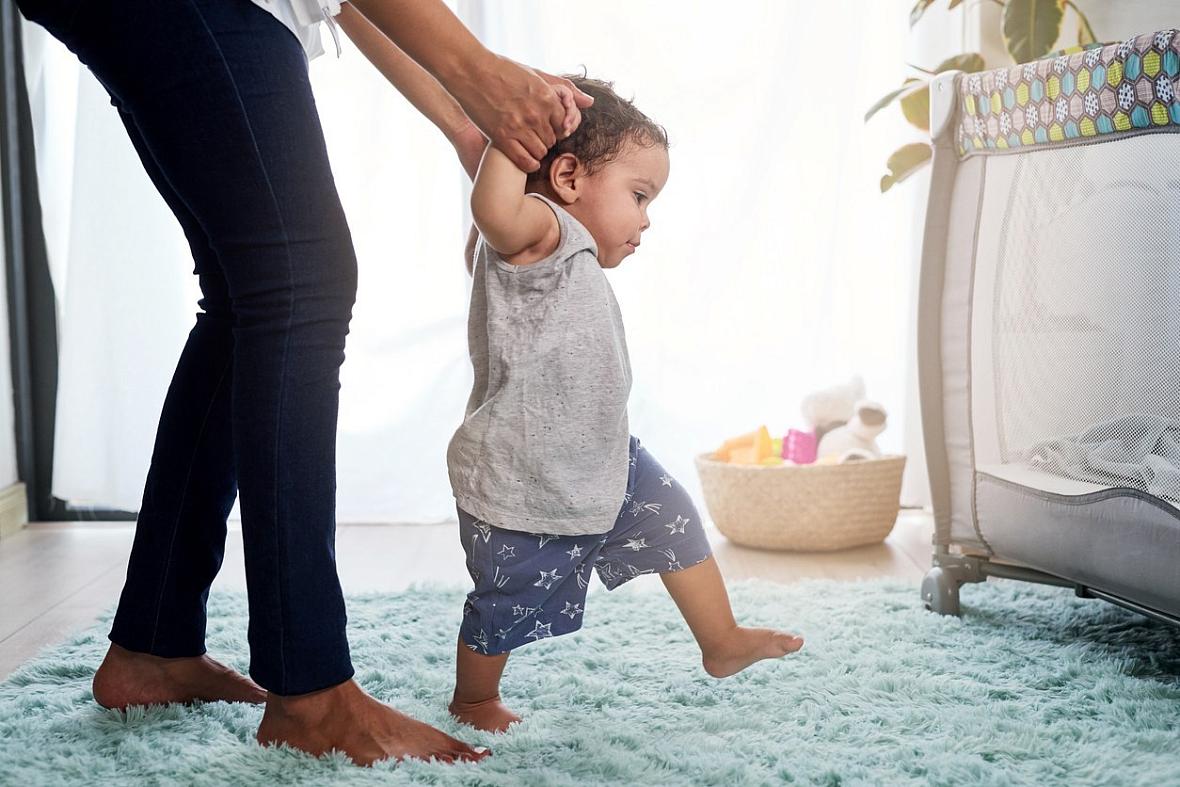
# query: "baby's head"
608 171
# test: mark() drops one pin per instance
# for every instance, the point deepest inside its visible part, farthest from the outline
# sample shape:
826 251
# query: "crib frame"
1023 534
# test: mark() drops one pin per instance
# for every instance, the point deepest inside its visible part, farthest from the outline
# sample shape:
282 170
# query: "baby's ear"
565 173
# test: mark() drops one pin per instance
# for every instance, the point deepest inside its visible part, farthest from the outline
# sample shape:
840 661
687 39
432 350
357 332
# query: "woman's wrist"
466 76
469 143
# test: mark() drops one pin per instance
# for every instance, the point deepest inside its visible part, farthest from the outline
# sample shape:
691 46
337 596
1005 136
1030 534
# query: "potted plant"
1030 28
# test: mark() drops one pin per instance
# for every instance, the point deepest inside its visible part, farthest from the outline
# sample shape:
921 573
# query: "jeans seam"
286 342
183 497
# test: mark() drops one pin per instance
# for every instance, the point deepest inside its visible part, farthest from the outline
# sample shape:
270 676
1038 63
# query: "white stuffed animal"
856 439
825 410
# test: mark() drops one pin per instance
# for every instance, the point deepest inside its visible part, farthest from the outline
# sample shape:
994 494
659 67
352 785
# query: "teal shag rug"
1031 687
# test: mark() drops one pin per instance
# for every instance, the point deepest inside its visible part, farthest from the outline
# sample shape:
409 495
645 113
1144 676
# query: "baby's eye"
640 196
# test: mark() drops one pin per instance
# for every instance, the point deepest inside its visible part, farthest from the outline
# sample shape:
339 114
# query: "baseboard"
14 509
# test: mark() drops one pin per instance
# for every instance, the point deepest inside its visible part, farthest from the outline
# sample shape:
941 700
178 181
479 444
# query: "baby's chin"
608 264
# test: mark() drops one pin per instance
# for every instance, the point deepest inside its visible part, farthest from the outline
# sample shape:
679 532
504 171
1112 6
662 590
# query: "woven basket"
808 508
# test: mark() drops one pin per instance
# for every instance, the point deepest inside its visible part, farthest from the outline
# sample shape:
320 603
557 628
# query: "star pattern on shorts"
666 479
547 580
573 610
640 506
520 612
677 526
540 630
636 544
507 552
544 539
574 553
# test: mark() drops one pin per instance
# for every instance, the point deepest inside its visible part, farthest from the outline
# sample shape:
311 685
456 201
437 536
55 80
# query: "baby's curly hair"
606 128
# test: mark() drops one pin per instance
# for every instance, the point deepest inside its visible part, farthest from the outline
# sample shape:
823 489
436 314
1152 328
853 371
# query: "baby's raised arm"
509 221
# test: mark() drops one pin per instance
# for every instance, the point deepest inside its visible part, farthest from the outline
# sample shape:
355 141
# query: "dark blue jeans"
216 99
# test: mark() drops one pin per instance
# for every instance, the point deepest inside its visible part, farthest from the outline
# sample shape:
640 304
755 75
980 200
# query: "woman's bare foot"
345 719
490 715
128 678
744 646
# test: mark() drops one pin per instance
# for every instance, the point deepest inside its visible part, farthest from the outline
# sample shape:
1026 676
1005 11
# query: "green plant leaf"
909 86
915 105
1032 27
905 161
918 10
969 62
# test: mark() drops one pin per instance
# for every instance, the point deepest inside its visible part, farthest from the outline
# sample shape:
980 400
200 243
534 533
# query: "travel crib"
1049 326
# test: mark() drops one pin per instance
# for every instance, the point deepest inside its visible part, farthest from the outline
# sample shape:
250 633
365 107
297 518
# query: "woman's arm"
519 109
509 221
420 88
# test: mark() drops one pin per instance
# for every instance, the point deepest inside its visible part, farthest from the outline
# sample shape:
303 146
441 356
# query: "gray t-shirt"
543 447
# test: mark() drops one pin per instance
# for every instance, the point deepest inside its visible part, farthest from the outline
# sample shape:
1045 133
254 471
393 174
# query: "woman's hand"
524 112
518 108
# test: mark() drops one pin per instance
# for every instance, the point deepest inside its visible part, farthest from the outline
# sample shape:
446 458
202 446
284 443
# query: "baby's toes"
787 643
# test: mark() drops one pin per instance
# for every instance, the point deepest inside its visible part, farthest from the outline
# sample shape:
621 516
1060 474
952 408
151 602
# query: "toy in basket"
820 490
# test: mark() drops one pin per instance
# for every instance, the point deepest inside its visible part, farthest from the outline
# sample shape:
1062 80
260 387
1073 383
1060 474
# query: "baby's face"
615 202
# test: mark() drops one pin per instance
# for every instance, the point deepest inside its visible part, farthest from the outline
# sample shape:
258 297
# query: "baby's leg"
726 647
477 691
659 531
527 587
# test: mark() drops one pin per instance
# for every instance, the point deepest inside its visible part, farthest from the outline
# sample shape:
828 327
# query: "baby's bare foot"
745 646
129 678
490 715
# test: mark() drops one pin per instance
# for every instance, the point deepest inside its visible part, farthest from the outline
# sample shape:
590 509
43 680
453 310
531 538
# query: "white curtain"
773 266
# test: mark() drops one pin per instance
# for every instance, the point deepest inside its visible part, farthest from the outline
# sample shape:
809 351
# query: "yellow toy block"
762 444
749 449
743 456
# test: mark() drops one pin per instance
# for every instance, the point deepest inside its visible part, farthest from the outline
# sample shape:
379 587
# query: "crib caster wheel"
940 592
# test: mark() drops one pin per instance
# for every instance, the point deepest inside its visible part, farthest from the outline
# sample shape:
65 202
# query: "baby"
549 483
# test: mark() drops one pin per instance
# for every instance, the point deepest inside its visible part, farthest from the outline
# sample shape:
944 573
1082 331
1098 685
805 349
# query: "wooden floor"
56 578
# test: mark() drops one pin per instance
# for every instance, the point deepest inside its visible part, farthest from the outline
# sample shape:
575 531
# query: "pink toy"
799 447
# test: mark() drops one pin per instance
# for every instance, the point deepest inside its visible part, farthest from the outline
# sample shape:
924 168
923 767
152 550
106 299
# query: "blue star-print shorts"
530 586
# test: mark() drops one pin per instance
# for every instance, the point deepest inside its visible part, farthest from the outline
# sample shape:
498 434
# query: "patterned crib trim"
1074 96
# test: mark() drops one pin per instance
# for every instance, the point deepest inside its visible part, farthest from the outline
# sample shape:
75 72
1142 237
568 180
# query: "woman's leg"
159 655
219 91
191 483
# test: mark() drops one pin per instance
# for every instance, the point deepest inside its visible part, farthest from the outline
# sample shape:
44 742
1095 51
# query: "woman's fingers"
581 100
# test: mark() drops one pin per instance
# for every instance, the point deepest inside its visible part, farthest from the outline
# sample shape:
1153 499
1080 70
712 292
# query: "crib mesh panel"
1086 313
